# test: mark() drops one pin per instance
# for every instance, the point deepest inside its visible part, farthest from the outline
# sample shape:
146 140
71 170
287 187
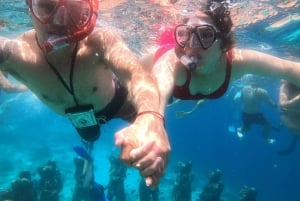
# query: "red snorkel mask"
76 17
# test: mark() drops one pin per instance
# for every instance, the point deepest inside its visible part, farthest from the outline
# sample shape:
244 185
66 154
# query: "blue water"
31 134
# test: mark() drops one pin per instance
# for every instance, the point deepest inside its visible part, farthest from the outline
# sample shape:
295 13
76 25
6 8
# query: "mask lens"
207 36
80 12
182 35
194 42
43 9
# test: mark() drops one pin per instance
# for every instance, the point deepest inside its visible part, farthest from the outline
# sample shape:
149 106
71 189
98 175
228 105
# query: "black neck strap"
69 88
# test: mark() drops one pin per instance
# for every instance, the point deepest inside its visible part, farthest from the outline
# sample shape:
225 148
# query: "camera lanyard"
71 75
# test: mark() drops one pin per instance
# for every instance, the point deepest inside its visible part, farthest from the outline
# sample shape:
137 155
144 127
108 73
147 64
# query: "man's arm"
126 66
7 86
5 49
144 143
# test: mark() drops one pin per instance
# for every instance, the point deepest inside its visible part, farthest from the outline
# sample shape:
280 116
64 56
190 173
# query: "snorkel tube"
57 41
189 62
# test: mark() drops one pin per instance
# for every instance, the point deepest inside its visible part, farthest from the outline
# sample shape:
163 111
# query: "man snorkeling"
89 75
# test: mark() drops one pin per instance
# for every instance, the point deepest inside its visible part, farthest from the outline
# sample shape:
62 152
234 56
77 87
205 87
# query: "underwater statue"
248 194
182 190
213 190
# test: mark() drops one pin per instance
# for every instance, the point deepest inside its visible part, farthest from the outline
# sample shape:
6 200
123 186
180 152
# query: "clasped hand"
145 146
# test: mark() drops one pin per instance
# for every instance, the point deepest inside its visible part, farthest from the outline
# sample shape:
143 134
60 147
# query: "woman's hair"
220 15
218 12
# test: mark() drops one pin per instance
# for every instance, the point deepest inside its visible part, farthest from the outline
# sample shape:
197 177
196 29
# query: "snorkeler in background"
289 102
252 98
89 75
86 189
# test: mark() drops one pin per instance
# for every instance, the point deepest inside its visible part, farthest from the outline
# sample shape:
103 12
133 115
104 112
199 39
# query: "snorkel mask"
202 36
77 19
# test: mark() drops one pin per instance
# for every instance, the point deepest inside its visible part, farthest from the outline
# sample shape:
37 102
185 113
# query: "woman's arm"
164 71
254 62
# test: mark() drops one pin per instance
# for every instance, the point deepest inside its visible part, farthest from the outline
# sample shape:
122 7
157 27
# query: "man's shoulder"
24 41
102 34
28 35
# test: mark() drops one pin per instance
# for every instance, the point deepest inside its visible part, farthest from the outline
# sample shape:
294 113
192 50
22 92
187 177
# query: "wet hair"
220 15
218 12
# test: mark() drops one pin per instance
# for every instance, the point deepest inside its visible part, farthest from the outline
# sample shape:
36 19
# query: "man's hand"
145 146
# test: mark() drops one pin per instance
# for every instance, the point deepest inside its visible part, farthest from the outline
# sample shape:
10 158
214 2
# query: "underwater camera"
85 122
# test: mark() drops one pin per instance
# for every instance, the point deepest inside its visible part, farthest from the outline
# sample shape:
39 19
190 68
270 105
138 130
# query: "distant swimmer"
252 99
289 102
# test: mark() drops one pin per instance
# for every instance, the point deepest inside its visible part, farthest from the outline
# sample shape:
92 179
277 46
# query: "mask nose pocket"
194 41
60 17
